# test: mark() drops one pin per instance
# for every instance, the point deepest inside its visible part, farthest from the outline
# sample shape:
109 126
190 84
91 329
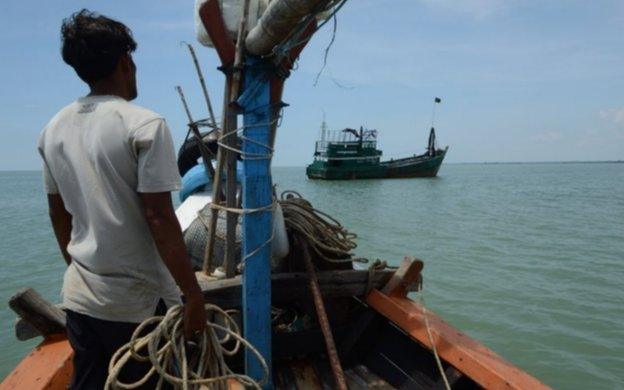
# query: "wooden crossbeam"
292 287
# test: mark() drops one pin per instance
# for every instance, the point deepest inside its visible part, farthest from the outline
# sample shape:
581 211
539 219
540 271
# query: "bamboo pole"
203 85
231 221
231 141
228 157
214 214
205 152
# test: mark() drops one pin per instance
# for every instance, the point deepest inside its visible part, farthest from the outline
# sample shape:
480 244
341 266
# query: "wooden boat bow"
48 366
466 355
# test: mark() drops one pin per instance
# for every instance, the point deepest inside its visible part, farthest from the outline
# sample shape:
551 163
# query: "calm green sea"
527 258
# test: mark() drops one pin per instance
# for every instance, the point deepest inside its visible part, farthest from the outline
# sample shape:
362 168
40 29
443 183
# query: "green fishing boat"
352 154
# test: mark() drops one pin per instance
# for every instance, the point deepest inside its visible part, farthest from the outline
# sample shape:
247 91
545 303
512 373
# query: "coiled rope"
330 240
324 234
167 351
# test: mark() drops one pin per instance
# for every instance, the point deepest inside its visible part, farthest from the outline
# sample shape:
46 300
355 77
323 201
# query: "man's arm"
61 223
167 234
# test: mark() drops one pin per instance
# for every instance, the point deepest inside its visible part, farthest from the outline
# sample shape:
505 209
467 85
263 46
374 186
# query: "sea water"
526 258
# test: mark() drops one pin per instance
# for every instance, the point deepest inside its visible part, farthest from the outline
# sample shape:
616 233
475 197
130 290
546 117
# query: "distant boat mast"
431 147
435 101
323 128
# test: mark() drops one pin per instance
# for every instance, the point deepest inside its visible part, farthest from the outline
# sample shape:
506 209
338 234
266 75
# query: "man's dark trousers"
94 342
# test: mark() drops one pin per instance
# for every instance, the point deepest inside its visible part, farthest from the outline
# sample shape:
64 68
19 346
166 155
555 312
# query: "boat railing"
358 158
322 146
347 135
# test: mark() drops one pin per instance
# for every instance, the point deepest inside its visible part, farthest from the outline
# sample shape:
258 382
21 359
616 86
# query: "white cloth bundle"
232 11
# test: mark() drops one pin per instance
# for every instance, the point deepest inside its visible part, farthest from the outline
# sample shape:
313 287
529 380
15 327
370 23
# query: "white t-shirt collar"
92 98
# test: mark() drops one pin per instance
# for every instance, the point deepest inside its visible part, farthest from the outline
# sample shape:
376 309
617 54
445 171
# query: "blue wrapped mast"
257 227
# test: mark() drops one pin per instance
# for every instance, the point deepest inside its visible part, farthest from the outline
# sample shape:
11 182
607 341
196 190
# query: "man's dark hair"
93 44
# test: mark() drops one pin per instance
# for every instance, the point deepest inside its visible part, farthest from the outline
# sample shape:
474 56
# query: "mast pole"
257 226
431 145
436 100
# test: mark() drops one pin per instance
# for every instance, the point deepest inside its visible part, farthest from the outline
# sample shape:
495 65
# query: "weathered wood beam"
25 331
405 279
44 317
287 287
231 219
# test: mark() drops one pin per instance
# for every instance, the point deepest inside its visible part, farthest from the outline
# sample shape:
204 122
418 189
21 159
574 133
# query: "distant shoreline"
500 163
450 163
537 162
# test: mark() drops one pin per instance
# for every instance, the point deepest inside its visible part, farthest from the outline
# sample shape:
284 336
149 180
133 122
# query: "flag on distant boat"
437 100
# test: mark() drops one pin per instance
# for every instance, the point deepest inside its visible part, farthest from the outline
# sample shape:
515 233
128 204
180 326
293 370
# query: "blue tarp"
196 179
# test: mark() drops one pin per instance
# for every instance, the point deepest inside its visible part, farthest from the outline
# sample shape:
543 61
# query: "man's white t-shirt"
99 153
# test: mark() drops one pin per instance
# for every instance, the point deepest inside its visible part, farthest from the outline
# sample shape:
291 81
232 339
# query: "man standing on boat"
109 169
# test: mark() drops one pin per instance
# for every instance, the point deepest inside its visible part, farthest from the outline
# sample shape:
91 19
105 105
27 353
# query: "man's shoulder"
63 112
58 117
135 116
131 116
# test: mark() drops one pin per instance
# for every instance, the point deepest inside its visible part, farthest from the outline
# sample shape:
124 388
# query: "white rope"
166 351
248 155
245 156
236 210
217 206
433 346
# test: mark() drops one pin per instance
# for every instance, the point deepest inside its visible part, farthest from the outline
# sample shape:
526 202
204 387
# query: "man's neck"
108 89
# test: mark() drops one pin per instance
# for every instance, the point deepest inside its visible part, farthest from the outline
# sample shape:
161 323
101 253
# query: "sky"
531 80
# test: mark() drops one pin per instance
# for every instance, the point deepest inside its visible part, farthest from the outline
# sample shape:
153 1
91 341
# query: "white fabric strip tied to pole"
277 22
232 11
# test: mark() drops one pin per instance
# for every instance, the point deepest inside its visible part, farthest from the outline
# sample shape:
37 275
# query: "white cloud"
613 115
614 118
479 9
547 136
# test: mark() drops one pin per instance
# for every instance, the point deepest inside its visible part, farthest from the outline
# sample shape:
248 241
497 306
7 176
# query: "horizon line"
449 163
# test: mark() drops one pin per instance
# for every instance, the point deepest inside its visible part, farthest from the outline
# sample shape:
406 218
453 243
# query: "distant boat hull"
417 166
